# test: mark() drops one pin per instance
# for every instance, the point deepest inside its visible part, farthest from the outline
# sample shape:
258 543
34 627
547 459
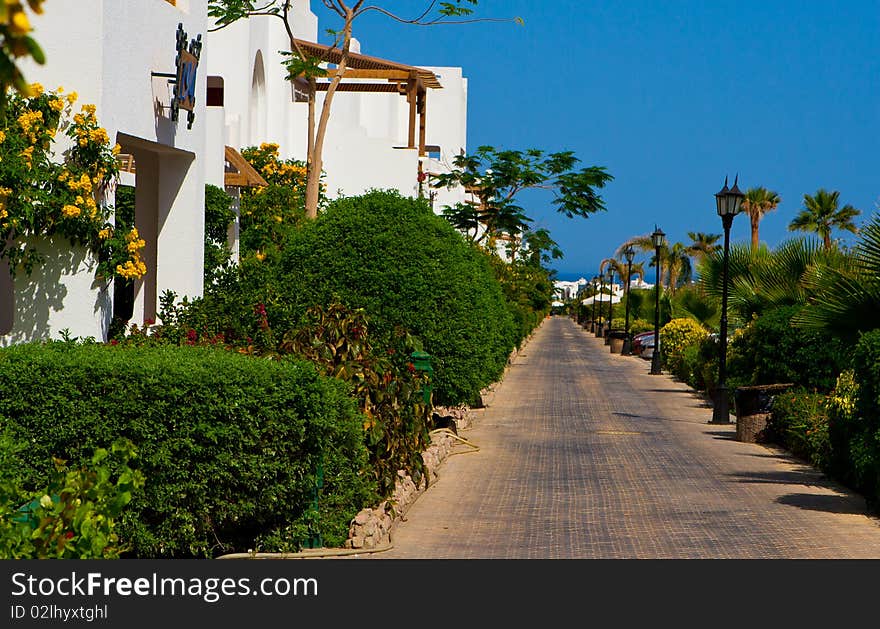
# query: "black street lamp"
628 253
610 304
595 284
601 290
729 203
657 239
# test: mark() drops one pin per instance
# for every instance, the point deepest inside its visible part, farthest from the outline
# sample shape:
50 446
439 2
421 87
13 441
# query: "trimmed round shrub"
407 268
231 447
677 336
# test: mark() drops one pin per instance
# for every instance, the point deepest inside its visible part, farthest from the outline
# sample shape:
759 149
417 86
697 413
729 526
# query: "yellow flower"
71 98
2 137
89 109
57 104
37 89
20 25
3 213
260 256
116 149
70 211
104 234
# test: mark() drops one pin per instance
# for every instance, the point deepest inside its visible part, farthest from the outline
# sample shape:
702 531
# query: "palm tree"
702 245
820 215
678 266
675 260
759 201
846 289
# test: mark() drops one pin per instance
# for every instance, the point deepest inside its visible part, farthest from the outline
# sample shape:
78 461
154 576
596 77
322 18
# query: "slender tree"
496 177
821 215
756 204
302 65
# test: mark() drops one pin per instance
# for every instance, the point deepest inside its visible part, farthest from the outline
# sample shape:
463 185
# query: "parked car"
639 340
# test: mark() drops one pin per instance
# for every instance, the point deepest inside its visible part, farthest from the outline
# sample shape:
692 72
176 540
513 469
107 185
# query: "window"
215 91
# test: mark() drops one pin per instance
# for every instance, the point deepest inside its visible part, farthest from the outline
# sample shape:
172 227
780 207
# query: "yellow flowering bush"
268 214
679 334
43 194
15 43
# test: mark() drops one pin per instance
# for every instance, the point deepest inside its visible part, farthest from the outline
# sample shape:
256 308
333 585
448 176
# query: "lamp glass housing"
657 238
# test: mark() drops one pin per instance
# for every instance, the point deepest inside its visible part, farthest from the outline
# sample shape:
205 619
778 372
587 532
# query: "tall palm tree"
678 266
702 245
675 260
821 214
757 202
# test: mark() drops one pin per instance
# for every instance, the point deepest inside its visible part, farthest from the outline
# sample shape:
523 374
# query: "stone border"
371 528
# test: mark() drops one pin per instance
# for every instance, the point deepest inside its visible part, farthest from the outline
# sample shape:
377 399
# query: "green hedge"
407 267
799 423
855 422
769 351
229 445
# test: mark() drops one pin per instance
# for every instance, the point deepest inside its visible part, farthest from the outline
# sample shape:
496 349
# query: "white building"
118 55
121 56
381 134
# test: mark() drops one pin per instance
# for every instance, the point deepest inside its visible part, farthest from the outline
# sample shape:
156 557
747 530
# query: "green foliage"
856 419
44 195
385 383
16 43
270 214
770 350
761 279
692 302
500 175
799 422
821 215
845 292
406 268
230 445
75 515
218 217
675 337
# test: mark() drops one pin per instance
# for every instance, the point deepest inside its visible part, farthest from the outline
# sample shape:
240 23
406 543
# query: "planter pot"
753 406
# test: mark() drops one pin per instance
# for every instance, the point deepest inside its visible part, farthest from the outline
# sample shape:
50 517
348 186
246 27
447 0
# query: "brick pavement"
584 454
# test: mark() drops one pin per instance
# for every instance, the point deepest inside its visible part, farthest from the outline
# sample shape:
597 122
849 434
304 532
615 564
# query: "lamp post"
728 202
657 239
595 284
628 253
610 305
601 290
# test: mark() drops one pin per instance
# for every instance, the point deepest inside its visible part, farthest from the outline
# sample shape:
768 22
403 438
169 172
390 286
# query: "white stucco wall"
365 129
106 50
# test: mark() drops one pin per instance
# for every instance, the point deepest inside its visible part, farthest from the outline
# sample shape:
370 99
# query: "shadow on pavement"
829 504
810 478
728 436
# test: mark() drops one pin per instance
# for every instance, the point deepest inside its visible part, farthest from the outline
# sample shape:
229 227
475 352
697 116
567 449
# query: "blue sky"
670 97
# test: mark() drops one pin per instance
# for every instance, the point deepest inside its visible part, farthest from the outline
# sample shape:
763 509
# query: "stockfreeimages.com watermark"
208 589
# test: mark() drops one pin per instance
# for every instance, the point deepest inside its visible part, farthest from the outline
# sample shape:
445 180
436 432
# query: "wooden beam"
423 113
350 73
412 98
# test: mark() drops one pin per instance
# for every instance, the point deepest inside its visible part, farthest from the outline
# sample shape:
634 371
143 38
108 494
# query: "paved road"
584 454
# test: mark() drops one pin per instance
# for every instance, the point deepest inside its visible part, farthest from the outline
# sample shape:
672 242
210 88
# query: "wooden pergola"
239 173
372 74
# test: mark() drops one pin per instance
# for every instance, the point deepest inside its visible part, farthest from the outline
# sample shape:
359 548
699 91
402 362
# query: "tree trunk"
755 220
313 183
